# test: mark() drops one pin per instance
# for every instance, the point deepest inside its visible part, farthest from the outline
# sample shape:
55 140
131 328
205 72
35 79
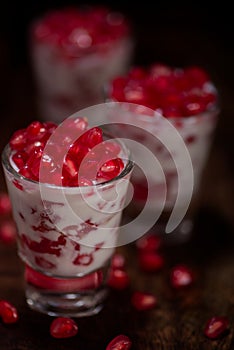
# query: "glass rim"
8 166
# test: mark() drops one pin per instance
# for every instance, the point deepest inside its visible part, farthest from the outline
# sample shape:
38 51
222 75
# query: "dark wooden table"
178 37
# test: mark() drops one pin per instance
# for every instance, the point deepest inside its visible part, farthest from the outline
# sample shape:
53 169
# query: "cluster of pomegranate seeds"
77 156
120 342
8 312
142 301
171 91
78 30
149 258
118 277
181 276
63 327
216 327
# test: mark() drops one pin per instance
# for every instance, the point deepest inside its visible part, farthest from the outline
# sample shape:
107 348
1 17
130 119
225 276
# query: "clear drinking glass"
170 150
74 52
66 238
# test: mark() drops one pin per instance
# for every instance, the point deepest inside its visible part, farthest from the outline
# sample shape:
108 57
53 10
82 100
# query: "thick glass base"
85 303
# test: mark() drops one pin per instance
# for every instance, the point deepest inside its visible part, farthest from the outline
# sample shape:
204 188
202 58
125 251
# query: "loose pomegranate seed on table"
120 342
63 327
181 276
118 261
148 243
118 279
216 327
8 312
151 261
143 301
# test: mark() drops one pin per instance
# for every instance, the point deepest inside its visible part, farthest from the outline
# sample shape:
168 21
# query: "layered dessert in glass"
164 106
74 52
67 186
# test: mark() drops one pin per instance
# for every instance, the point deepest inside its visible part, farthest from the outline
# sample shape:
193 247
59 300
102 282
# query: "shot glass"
172 112
67 222
74 52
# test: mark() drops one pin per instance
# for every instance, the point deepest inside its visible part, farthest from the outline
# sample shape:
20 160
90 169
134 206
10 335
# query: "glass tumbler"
74 52
172 113
66 238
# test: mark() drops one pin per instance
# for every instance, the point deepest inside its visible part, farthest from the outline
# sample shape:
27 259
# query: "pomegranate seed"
92 137
18 140
63 327
216 327
118 261
118 279
149 243
50 126
7 232
192 105
70 167
34 129
151 261
196 75
111 169
20 158
8 312
137 73
5 204
181 276
121 342
143 301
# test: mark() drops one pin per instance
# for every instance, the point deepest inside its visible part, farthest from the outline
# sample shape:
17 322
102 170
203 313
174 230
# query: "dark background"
179 34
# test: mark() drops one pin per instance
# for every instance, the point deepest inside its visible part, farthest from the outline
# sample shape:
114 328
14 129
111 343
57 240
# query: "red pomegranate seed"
216 327
181 276
137 73
121 342
118 261
70 167
192 105
63 327
118 279
5 204
18 140
151 261
143 301
92 137
111 169
196 75
7 232
20 158
149 243
8 312
34 129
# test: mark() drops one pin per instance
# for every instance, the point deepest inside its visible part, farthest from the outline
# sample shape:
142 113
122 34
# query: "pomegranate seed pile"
171 91
61 158
77 31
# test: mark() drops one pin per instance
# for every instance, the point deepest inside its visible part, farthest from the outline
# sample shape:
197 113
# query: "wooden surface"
179 37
